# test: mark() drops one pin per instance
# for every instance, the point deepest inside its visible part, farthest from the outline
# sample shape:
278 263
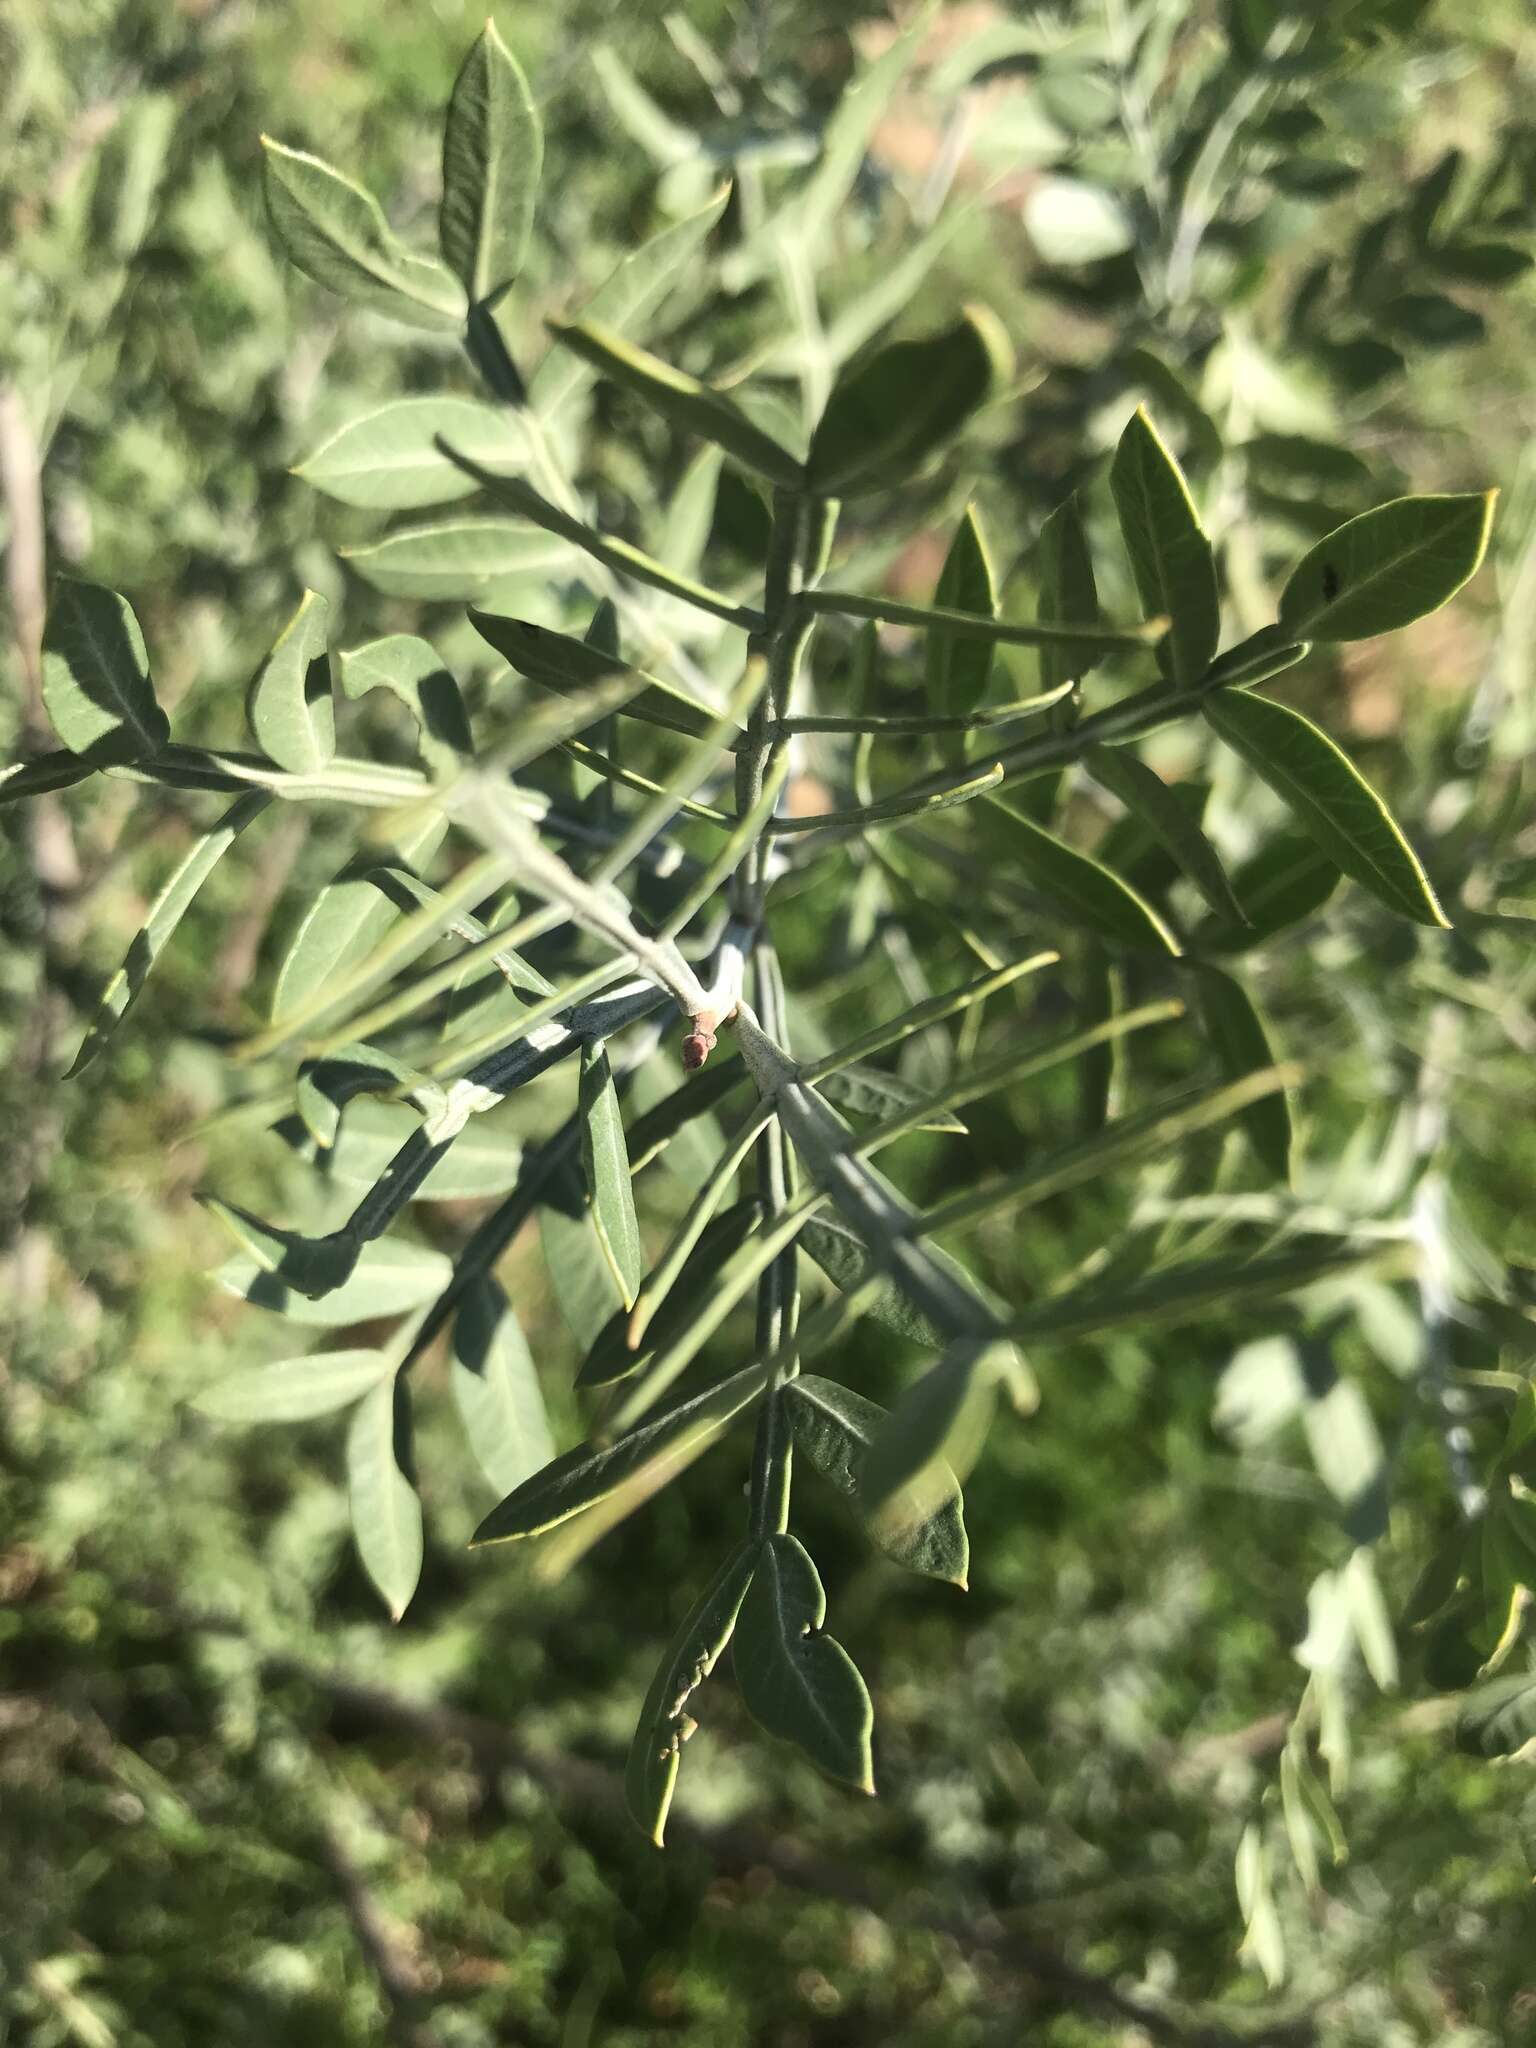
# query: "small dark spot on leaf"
1330 583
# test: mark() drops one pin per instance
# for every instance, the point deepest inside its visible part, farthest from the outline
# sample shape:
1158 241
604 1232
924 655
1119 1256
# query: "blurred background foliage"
237 1805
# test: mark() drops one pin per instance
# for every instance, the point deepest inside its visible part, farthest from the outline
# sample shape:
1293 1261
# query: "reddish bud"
697 1047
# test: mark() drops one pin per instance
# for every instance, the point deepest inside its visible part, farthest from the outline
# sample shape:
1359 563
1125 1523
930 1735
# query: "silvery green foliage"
717 706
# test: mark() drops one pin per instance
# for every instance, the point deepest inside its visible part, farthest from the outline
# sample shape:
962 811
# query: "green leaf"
1100 1070
344 922
411 669
1432 320
868 1091
846 1260
580 1275
493 146
294 1389
457 558
560 662
847 134
386 1513
1184 1291
650 1773
1171 557
1387 567
958 671
389 459
1089 893
497 1389
938 1424
1067 594
592 1471
41 774
1242 1046
1285 881
605 1163
1147 797
833 1429
797 1683
612 1358
483 1160
290 707
891 411
681 399
625 301
1329 797
165 914
96 686
335 232
389 1276
326 1085
1498 1718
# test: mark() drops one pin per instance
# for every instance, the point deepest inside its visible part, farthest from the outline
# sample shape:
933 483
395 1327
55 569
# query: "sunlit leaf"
386 1513
334 231
389 459
1170 555
1075 883
493 146
605 1162
290 706
1067 594
458 558
388 1276
497 1388
294 1389
958 671
833 1429
1387 567
96 686
410 669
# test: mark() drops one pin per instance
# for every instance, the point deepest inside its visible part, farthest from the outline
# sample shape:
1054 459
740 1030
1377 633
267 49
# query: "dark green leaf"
560 662
833 1429
612 1357
799 1684
386 1513
845 1259
1387 567
1067 595
1285 881
290 706
937 1427
1170 555
592 1471
1481 263
165 914
294 1389
1242 1046
605 1162
892 410
41 774
1087 892
334 231
96 686
958 671
1149 798
1433 321
497 1389
664 1725
492 150
1329 797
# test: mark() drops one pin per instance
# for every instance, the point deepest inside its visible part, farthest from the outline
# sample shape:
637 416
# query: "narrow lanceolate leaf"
650 1774
42 774
1329 798
1185 1291
1067 595
166 912
1170 555
1287 880
605 1163
1387 567
295 1388
683 400
958 671
390 461
593 1471
290 706
869 1091
624 301
343 922
1242 1046
411 669
483 1160
388 1277
1147 797
493 146
386 1513
456 558
560 662
799 1684
612 1357
894 409
497 1389
845 1259
847 135
833 1429
1090 893
335 232
96 686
